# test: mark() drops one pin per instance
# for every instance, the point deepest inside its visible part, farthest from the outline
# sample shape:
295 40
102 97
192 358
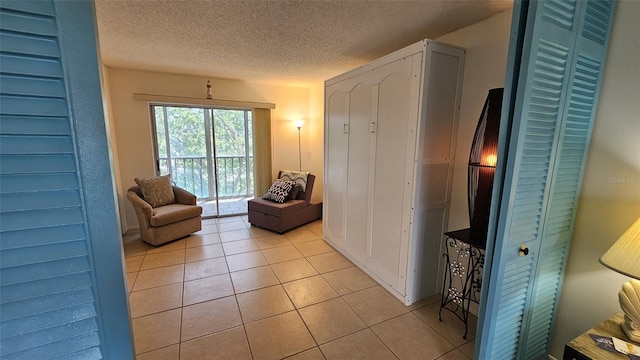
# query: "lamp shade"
624 254
482 162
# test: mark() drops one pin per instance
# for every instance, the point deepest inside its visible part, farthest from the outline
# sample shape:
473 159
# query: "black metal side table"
464 257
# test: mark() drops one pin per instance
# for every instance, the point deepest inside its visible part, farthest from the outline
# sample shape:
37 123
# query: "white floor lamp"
299 124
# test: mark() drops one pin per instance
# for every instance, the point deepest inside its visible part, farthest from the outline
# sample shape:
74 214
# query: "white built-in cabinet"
390 132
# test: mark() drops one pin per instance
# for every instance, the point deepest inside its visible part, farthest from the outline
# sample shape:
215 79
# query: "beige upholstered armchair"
166 223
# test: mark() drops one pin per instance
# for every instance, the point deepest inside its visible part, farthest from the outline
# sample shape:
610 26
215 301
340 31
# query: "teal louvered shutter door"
50 294
554 107
573 143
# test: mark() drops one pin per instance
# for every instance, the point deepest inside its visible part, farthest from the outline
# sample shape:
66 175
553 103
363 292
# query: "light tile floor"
226 206
232 291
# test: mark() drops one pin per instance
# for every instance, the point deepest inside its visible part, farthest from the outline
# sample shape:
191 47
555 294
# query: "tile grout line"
184 275
244 328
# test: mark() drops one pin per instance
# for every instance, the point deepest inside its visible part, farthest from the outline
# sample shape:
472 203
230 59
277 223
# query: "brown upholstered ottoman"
282 217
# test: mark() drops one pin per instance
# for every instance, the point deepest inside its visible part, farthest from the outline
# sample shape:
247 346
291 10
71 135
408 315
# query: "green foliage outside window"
187 140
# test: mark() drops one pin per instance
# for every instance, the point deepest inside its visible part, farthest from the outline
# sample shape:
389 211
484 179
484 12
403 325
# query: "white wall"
610 198
487 44
132 125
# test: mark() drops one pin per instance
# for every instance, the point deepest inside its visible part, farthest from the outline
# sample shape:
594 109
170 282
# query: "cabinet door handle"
345 129
523 251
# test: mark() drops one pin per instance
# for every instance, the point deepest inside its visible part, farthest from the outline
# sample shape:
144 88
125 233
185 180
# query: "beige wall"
610 198
132 126
313 148
487 44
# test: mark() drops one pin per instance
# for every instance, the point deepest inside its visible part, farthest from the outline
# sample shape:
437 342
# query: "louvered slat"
46 298
37 164
18 22
30 106
560 12
33 145
48 320
40 46
27 125
41 236
49 336
511 309
77 293
40 288
86 354
20 85
21 65
47 270
31 10
51 252
547 284
597 20
13 221
38 182
44 200
84 347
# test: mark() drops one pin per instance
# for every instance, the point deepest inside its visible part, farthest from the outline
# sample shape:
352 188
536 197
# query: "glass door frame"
210 146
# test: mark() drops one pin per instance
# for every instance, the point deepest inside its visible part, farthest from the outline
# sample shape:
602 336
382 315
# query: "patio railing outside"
235 175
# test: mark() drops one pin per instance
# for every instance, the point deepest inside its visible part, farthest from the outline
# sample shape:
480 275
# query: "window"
207 151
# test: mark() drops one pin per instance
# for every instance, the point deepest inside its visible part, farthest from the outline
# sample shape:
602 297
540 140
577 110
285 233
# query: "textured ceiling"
285 42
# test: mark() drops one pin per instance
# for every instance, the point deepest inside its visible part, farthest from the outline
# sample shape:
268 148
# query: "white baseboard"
131 232
551 357
132 229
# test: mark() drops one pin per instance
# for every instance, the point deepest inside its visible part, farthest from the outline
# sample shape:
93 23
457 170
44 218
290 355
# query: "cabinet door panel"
360 108
336 173
441 106
389 179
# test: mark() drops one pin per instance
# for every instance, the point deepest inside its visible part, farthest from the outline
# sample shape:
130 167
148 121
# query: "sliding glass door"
208 152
